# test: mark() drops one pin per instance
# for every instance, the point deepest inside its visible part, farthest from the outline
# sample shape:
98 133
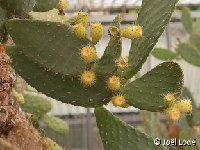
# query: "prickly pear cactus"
65 66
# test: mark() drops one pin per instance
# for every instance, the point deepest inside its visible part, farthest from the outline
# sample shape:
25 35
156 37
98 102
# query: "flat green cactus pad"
18 7
117 135
147 92
153 17
51 44
106 64
67 89
45 5
36 104
164 54
189 54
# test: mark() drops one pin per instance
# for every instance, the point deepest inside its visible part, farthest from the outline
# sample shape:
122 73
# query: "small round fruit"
118 100
80 31
184 106
114 83
82 17
173 114
88 78
88 54
96 32
169 99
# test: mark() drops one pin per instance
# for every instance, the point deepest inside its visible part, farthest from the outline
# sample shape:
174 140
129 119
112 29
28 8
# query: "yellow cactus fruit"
169 99
88 54
96 32
88 78
62 6
131 32
173 114
82 17
80 31
18 96
114 83
184 106
118 100
122 62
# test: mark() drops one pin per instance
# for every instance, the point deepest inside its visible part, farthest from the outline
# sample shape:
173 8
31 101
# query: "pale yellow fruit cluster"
176 108
80 26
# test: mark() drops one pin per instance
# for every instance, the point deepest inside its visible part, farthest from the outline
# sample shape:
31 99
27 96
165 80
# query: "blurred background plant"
189 50
37 106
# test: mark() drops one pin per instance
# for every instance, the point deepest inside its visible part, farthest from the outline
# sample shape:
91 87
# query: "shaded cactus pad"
117 135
